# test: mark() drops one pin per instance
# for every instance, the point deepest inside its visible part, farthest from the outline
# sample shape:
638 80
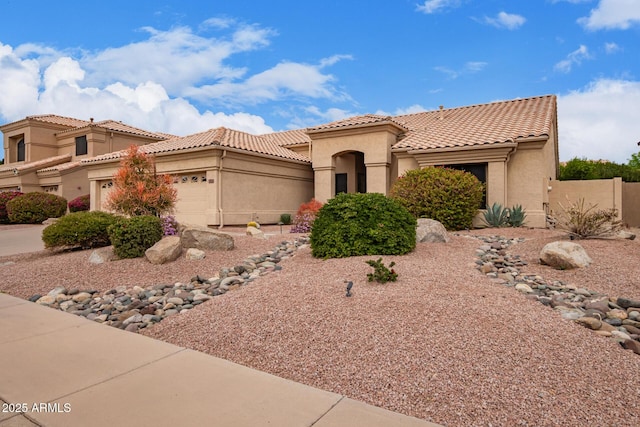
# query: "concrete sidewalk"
19 239
57 369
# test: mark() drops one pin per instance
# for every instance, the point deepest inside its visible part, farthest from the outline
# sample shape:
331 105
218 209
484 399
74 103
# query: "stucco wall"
527 179
605 193
261 189
631 203
251 187
375 142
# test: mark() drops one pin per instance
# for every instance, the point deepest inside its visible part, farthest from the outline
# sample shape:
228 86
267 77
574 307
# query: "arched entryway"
350 173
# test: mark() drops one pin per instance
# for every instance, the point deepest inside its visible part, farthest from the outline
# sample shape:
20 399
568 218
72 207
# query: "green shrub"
5 197
34 208
382 273
79 230
362 224
285 219
80 203
582 169
131 237
449 196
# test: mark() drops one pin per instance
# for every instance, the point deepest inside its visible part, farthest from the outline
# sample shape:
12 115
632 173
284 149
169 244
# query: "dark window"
341 183
479 170
362 183
20 149
81 145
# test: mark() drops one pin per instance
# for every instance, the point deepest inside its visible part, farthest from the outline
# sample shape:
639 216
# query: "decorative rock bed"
618 318
136 308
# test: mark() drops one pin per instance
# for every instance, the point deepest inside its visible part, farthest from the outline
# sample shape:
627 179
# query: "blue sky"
183 67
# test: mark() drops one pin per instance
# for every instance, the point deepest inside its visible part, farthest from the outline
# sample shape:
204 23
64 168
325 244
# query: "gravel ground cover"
443 343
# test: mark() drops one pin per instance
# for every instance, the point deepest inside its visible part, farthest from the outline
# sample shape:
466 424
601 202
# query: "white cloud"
506 20
286 79
433 6
469 67
600 121
611 48
574 58
613 14
148 83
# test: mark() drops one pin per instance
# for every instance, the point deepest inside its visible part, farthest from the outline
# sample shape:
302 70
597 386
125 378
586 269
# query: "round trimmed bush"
131 237
449 196
80 203
5 197
36 207
79 230
362 224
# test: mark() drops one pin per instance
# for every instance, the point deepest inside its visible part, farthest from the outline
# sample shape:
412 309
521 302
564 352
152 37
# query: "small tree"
138 189
634 161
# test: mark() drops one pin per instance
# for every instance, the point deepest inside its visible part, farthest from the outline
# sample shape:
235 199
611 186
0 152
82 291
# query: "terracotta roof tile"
59 120
289 137
116 126
366 119
45 163
61 167
221 137
493 123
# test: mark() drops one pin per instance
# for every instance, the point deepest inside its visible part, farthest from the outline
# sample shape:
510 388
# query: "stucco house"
44 153
226 177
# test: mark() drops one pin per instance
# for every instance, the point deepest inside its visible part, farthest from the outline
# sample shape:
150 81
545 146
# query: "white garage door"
192 197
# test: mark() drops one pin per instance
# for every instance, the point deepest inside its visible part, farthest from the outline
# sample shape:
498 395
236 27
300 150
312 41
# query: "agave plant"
517 216
497 216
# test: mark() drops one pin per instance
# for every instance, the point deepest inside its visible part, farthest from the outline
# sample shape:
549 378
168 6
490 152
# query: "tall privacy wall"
605 193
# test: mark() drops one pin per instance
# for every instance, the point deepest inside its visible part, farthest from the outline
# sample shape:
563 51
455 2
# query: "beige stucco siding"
252 186
375 142
261 189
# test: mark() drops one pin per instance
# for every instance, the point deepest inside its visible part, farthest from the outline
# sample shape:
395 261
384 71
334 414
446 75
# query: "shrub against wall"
583 169
34 208
362 224
131 237
450 196
80 203
5 196
79 230
305 216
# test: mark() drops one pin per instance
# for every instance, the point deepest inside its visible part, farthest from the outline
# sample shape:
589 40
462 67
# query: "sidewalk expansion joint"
327 411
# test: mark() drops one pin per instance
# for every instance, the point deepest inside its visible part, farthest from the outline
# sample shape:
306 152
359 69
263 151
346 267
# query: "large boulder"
431 231
564 255
206 239
165 250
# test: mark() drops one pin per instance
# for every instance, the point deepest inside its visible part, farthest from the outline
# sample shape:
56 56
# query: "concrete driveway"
20 238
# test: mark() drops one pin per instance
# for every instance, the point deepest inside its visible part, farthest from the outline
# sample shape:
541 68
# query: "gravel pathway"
443 343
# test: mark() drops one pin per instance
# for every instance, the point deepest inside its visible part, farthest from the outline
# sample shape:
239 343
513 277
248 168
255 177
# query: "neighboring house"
226 177
43 153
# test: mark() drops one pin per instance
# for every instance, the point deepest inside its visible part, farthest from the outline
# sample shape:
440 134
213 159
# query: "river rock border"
617 318
136 308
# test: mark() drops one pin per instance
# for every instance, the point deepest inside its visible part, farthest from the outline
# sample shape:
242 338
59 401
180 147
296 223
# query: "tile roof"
45 163
357 121
59 120
220 137
289 137
116 126
494 123
61 167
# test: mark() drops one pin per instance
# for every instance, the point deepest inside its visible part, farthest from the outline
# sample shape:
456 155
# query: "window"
479 170
20 150
81 145
341 183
